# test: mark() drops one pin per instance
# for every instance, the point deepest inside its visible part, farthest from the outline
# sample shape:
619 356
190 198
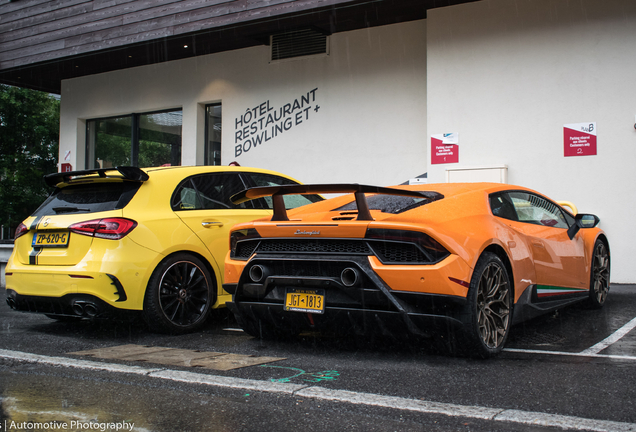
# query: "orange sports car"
471 258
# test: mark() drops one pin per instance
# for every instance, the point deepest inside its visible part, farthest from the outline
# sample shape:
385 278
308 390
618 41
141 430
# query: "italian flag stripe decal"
549 291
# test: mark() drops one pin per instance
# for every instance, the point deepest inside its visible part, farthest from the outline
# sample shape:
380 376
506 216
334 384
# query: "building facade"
356 114
530 92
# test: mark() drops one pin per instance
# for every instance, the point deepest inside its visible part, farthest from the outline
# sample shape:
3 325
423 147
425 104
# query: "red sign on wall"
66 167
579 139
444 148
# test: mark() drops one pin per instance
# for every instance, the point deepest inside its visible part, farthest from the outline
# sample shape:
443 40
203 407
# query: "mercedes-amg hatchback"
151 240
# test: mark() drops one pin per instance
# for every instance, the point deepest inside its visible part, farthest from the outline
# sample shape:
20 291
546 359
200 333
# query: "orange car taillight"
431 247
108 228
20 231
244 234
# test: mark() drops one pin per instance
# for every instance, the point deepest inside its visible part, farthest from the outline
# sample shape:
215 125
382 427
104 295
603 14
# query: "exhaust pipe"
11 303
258 273
349 277
91 310
85 308
78 308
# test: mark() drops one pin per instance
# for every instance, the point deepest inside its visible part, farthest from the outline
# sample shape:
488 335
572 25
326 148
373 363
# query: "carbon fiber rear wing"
124 172
364 214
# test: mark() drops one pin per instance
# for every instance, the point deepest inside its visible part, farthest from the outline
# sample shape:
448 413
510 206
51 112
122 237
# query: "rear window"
393 204
208 192
291 201
88 198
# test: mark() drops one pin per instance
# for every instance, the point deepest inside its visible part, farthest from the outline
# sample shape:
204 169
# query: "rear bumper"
356 299
73 305
351 321
117 282
53 286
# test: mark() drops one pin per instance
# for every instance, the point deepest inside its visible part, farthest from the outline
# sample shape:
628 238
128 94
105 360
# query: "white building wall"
371 92
507 75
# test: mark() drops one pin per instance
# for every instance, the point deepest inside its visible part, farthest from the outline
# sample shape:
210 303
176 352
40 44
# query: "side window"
568 218
501 206
208 192
291 201
185 198
537 210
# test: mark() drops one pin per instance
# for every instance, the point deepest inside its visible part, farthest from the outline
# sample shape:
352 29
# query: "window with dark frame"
213 120
143 140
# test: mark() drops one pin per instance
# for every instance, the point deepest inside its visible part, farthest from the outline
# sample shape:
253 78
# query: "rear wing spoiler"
280 212
125 172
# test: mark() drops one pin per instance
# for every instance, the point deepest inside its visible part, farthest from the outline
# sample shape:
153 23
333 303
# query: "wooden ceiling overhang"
45 70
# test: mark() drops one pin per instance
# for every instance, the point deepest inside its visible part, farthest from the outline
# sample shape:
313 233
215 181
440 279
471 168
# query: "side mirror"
582 220
587 220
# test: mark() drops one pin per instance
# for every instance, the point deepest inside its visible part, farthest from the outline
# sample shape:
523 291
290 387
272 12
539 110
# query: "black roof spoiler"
126 172
280 212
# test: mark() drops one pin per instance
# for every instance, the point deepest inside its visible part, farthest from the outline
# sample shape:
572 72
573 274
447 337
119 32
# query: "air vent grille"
334 246
298 43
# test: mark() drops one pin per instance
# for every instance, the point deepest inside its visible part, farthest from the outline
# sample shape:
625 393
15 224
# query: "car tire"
599 275
487 315
179 295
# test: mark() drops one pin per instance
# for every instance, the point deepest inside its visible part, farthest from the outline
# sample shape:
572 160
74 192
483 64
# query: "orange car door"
558 260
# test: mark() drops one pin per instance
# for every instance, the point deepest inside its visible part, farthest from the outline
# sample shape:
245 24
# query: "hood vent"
298 43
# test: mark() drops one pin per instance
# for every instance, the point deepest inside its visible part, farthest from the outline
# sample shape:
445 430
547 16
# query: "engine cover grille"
389 252
328 246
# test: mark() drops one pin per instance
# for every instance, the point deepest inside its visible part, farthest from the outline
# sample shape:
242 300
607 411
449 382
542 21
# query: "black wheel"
488 313
179 295
599 275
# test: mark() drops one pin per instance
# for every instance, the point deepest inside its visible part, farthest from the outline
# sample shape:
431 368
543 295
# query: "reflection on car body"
117 239
469 258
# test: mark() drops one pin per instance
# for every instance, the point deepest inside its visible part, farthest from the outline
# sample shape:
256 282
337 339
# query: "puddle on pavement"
31 401
178 357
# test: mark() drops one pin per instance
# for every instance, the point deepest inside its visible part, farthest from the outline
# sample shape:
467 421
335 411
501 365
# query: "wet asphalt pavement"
559 364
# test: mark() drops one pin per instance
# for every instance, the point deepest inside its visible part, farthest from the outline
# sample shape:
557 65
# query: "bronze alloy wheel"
487 316
600 275
493 305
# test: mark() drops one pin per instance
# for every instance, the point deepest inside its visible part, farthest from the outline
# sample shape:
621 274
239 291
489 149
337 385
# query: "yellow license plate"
51 239
304 300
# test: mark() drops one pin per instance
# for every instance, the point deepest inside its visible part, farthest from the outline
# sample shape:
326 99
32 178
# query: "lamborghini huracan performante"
466 259
128 239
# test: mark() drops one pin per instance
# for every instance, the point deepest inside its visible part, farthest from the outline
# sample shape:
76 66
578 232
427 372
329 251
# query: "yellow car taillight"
108 228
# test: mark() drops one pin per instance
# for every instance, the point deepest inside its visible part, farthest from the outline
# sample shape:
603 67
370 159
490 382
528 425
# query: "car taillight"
20 231
243 234
431 246
108 228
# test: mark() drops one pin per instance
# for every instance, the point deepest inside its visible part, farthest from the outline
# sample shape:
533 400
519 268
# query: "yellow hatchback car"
151 240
